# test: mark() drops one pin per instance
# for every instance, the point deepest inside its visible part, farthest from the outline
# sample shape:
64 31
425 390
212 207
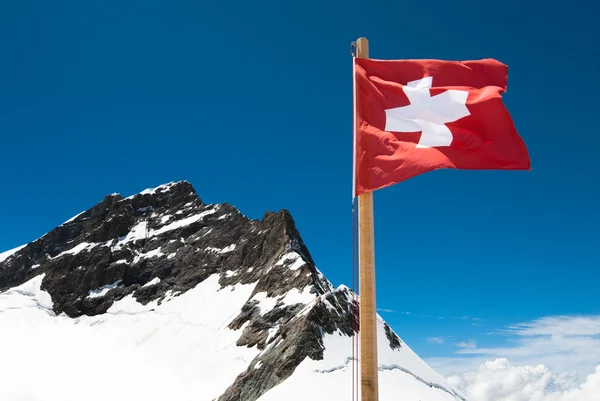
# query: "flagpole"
366 260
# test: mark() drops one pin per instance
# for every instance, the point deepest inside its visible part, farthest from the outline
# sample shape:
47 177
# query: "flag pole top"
362 47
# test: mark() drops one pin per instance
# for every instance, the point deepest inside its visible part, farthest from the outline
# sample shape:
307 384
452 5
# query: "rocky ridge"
162 242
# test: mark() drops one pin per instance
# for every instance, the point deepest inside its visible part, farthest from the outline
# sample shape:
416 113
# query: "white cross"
428 114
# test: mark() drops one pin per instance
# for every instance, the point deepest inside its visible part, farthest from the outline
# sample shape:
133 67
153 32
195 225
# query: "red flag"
415 116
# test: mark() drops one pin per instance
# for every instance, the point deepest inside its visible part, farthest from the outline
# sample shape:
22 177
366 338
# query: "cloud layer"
500 381
555 358
561 343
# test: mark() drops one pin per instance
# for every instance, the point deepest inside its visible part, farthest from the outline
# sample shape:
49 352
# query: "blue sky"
251 103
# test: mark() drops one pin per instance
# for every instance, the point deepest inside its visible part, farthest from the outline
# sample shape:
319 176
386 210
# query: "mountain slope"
195 299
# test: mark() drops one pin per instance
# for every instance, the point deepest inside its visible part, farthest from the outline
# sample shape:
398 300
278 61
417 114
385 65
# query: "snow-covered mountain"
161 296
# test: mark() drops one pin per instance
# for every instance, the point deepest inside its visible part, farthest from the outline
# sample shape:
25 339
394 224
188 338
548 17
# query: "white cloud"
500 381
385 310
562 343
558 325
471 344
555 358
436 340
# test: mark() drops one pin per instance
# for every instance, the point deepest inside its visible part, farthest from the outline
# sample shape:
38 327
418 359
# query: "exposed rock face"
165 241
395 342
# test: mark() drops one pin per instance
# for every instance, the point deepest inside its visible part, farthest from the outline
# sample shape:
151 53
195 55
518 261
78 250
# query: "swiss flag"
414 116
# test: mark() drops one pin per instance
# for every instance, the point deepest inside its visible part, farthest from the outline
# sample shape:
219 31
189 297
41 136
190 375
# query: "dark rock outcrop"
395 342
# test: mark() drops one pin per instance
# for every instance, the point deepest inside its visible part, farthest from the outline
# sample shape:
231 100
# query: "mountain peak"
173 186
164 233
248 288
173 193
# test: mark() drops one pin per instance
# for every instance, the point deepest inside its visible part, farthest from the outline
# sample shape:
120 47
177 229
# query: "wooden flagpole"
366 256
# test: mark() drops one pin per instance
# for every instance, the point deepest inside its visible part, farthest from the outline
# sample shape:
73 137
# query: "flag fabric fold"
415 116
